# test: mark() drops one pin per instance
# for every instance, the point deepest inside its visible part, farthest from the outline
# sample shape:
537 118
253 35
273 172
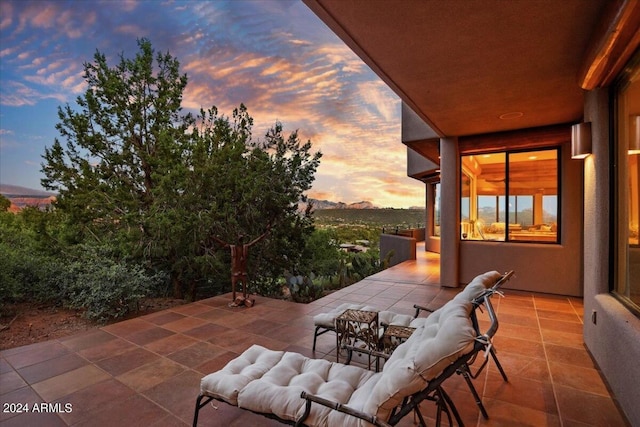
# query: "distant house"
522 119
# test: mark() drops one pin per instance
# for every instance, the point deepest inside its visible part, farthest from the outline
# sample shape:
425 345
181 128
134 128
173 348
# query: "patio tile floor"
146 371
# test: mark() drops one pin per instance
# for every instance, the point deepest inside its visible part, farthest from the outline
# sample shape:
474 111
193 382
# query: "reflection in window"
465 203
521 210
512 196
634 204
627 182
550 209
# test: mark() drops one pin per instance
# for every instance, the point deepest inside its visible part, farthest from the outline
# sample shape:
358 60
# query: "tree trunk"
177 286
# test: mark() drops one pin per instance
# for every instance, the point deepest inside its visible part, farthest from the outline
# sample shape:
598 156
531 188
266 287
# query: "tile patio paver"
56 387
146 371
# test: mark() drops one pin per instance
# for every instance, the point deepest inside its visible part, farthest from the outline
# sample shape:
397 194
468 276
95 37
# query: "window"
510 196
626 191
436 209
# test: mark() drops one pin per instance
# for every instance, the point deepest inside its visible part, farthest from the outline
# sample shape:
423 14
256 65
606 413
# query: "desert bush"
12 268
303 288
106 288
265 286
365 264
26 273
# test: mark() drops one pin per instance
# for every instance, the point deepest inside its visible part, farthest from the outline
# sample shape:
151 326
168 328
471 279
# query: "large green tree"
117 142
234 193
177 190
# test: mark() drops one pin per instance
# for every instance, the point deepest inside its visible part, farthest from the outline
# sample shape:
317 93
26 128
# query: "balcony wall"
404 248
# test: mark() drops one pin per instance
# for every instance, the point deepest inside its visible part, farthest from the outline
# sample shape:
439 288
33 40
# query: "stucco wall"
539 268
417 164
413 127
450 208
614 339
404 248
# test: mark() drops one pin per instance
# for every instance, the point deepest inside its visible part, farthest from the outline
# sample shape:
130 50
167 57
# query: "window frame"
506 197
618 232
436 208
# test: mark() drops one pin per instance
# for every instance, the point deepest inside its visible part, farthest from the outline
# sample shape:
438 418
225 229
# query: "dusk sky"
275 56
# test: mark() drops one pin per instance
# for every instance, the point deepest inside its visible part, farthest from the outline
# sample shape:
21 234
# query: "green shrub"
365 264
265 286
25 272
11 288
103 285
108 289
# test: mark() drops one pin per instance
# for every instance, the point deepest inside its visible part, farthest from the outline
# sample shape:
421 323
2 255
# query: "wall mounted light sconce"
634 135
580 140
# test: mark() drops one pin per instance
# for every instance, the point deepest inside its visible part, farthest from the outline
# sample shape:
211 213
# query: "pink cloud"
24 55
130 29
8 51
6 11
18 94
128 5
43 17
73 23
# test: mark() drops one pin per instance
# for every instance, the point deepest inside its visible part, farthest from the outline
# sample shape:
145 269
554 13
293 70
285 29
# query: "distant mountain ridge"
20 197
16 190
327 204
23 196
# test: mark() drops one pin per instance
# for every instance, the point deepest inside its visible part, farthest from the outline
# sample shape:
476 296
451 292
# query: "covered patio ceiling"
477 67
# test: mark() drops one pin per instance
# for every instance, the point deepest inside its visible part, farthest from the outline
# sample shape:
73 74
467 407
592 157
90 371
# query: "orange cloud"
322 195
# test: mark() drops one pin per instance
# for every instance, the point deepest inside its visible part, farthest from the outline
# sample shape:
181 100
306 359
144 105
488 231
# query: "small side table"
357 325
393 336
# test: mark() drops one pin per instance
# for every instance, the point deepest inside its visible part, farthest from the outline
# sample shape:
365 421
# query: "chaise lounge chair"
325 322
488 283
295 389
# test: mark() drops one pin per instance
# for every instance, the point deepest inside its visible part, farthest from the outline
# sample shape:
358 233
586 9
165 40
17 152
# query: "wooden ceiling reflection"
548 136
533 177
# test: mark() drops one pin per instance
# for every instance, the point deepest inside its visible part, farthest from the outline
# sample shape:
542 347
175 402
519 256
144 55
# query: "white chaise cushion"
446 335
478 285
470 292
271 382
387 317
226 383
278 391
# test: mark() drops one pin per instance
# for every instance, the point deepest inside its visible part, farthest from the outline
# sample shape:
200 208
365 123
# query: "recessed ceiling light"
511 115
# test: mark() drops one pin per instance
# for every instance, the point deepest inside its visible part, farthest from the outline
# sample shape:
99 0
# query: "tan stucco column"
450 212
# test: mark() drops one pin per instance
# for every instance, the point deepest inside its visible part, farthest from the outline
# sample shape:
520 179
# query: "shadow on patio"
146 371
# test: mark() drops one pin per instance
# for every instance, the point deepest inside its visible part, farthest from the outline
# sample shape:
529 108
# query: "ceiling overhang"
469 68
